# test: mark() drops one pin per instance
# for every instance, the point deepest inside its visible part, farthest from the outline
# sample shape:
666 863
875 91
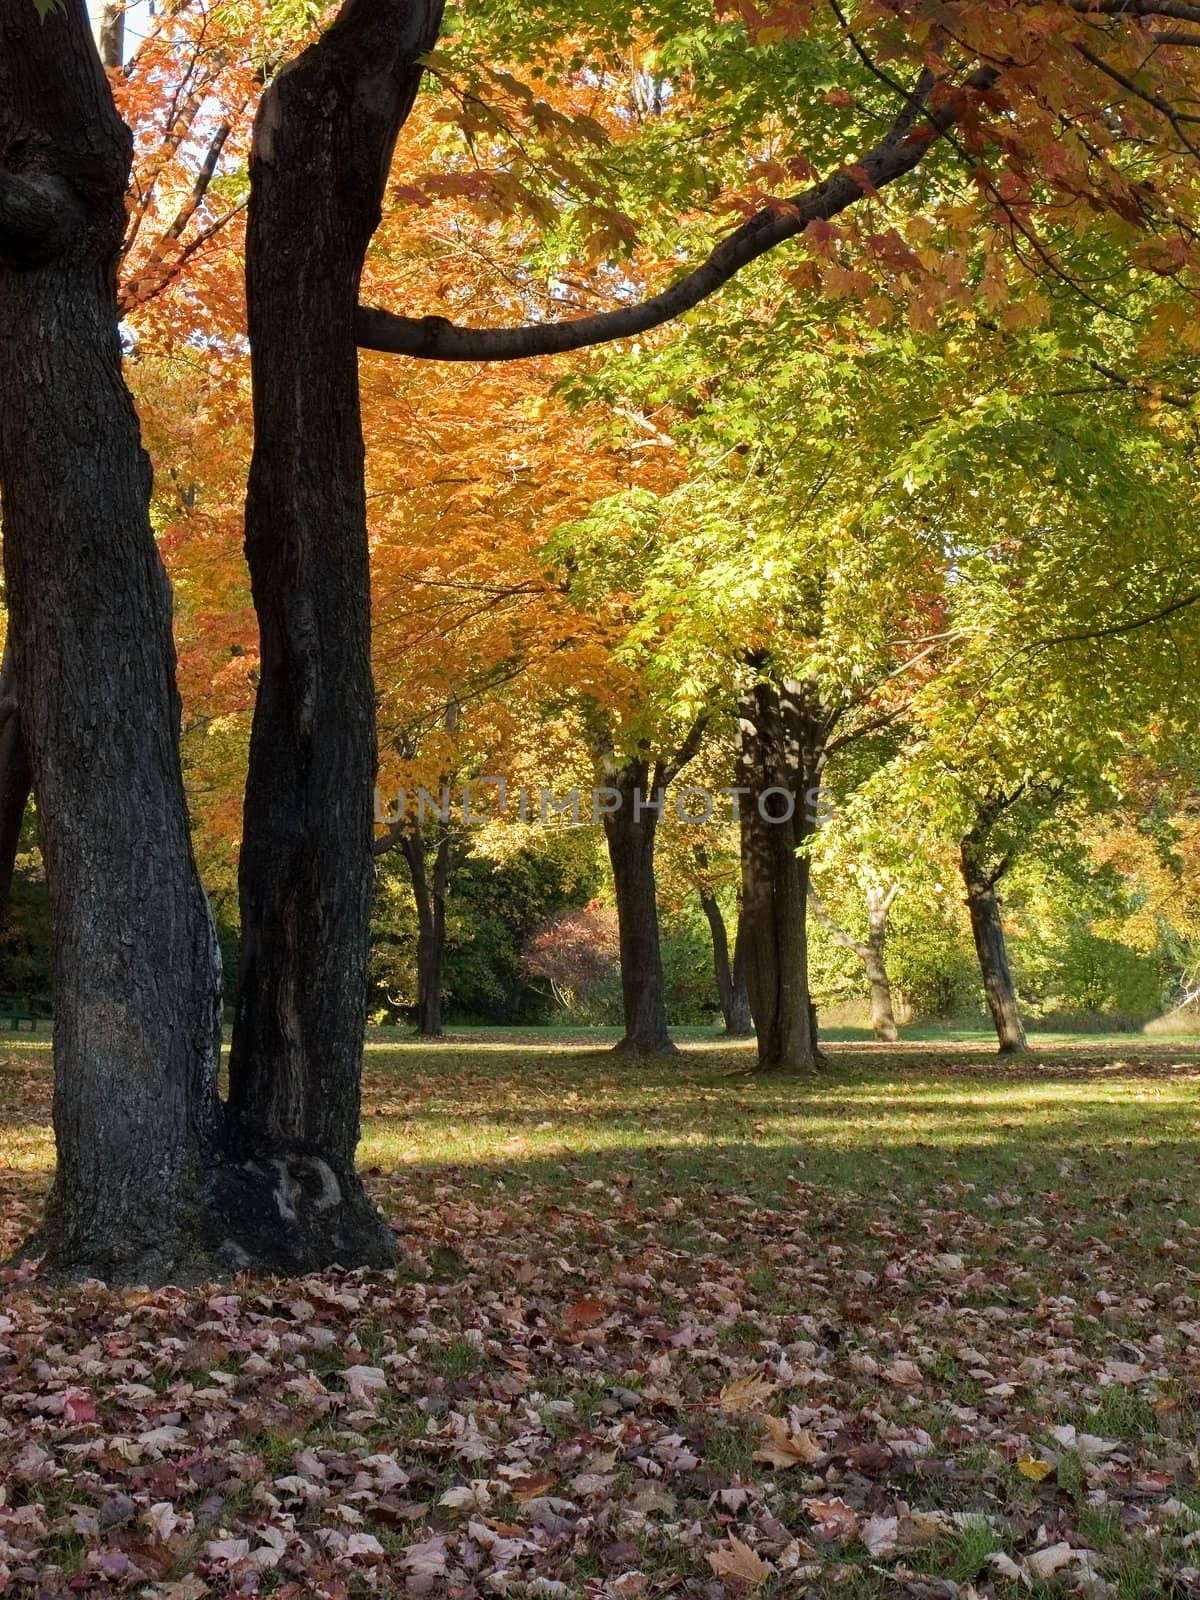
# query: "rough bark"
730 976
16 776
740 1022
322 144
781 738
987 929
137 1014
871 952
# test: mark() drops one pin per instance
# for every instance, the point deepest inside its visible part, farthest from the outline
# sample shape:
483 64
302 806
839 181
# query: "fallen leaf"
734 1562
785 1448
880 1535
365 1383
744 1394
1043 1564
835 1520
585 1313
904 1374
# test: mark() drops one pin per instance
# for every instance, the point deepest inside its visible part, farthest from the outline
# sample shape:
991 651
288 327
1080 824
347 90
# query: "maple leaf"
163 1519
737 1564
787 1448
585 1313
745 1393
1034 1468
904 1374
880 1535
226 1552
79 1408
836 1521
364 1546
532 1487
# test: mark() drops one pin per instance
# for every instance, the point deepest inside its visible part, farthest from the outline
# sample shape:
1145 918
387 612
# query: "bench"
15 1012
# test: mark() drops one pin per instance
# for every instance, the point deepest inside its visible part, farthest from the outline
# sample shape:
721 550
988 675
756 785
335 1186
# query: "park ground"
928 1326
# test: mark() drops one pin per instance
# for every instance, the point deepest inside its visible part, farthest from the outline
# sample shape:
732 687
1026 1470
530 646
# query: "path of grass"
955 1301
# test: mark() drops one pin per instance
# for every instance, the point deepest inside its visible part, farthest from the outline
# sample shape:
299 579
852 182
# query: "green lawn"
955 1301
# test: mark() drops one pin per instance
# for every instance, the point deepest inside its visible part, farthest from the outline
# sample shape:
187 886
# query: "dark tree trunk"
730 975
631 832
322 144
136 970
16 778
780 746
740 1022
987 927
429 892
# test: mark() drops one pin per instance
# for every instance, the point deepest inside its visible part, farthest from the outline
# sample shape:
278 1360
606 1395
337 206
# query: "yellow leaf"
1034 1468
743 1394
735 1562
784 1448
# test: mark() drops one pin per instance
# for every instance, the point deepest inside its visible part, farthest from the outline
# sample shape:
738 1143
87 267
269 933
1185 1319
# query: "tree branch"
149 280
839 933
1179 9
1112 630
671 769
904 147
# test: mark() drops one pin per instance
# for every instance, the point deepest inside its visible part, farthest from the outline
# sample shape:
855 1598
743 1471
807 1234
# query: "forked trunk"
730 975
137 1026
429 892
780 749
322 146
987 928
883 1016
871 953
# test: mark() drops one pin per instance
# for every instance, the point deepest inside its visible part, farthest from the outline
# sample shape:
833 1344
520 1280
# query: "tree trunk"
730 976
987 927
871 954
136 969
16 778
883 1017
780 747
322 145
631 832
430 896
112 34
740 1022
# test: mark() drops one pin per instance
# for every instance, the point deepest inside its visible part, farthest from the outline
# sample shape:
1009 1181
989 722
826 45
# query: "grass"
595 1248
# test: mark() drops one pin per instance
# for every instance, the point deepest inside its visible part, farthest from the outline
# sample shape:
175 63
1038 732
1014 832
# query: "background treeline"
907 513
532 939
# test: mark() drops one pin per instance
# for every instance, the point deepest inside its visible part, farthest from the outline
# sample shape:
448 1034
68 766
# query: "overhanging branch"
436 339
